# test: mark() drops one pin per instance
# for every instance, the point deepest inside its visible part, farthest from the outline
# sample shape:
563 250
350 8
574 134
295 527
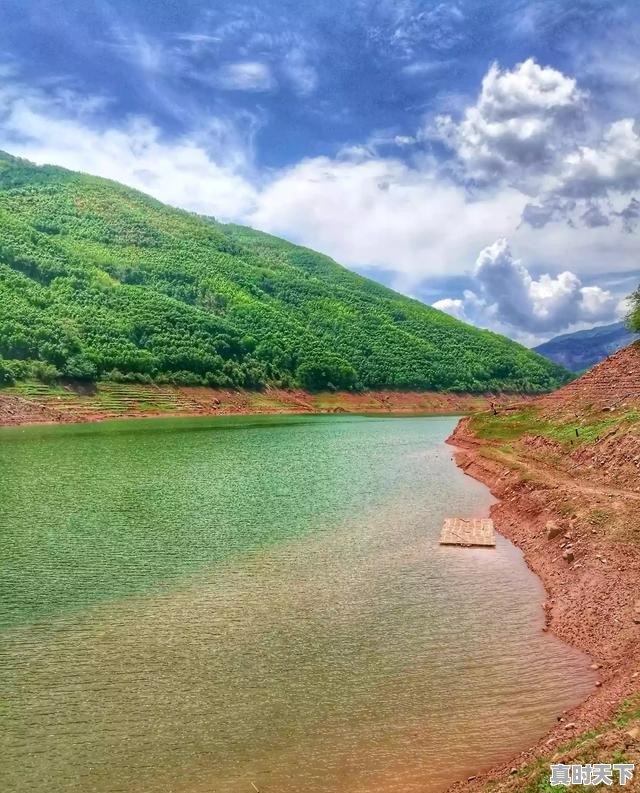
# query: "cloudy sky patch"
407 141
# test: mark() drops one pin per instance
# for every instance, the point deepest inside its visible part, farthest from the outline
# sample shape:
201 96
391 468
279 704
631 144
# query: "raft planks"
470 532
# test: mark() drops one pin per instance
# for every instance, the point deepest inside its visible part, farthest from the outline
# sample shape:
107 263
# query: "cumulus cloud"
588 178
530 128
365 208
507 296
614 165
519 122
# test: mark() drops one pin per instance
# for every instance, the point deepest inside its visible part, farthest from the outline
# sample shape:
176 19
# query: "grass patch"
32 389
577 434
598 517
595 746
507 428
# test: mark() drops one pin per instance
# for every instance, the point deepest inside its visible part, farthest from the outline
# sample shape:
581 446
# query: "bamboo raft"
468 533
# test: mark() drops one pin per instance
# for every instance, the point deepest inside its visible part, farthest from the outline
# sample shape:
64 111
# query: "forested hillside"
98 281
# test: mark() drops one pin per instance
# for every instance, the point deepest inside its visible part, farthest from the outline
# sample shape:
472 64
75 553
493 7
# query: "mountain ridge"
585 348
100 281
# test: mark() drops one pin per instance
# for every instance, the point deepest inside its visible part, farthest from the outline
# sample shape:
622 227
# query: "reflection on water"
194 606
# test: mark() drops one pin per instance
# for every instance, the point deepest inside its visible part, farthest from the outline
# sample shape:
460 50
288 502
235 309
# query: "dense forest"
98 281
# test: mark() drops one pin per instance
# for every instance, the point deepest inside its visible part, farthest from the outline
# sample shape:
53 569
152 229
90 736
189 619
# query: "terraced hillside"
612 385
100 282
32 402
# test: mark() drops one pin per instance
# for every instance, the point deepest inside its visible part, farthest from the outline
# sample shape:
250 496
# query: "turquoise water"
196 605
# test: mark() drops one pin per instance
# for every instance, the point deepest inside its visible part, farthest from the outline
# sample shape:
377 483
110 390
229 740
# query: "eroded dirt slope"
613 384
566 468
30 403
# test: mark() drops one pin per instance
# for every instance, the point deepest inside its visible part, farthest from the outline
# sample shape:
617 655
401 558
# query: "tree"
326 372
634 314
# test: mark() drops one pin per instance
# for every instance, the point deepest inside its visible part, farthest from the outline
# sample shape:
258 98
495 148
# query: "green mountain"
98 281
584 348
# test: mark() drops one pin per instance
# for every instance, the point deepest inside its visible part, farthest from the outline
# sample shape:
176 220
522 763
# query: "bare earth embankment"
566 468
35 403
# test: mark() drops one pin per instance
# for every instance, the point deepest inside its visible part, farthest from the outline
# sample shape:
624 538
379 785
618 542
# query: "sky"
482 156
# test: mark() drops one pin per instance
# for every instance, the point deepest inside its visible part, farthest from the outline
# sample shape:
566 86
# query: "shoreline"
589 600
34 403
591 610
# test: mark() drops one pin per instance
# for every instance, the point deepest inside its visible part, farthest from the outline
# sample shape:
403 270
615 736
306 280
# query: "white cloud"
593 216
519 121
590 180
245 76
630 215
141 50
612 166
507 296
424 68
301 74
403 27
181 172
453 306
379 212
529 127
410 221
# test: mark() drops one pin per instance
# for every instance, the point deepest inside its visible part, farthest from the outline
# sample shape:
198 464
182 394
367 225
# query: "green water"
94 512
196 605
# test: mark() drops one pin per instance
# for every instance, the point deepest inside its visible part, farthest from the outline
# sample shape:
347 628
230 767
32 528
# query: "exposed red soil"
72 404
576 517
612 385
18 410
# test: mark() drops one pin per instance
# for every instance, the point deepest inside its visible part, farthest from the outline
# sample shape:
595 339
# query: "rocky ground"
566 470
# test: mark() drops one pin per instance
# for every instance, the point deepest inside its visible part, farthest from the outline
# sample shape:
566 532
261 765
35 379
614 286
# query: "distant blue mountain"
585 348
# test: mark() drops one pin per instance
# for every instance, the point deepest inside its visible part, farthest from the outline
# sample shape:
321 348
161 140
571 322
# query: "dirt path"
556 479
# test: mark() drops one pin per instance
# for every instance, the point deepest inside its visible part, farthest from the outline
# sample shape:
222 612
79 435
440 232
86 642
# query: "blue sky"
480 155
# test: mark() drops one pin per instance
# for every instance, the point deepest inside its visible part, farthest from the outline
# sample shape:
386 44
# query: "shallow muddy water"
192 606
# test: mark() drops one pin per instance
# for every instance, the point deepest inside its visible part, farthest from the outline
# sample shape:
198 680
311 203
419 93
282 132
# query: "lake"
204 605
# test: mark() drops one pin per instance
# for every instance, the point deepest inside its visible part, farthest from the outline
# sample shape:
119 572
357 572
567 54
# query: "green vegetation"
634 315
603 744
98 281
507 428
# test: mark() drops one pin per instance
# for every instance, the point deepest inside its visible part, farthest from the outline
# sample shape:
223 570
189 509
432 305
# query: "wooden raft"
468 533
